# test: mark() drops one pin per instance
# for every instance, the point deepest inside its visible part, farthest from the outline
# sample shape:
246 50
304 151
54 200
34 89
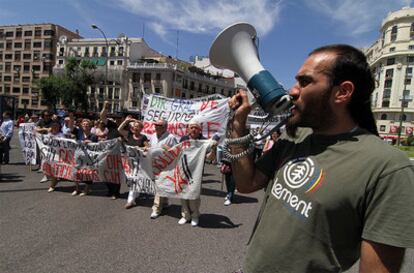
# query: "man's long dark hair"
351 65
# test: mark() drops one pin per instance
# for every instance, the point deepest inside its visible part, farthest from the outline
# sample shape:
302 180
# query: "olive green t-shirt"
327 194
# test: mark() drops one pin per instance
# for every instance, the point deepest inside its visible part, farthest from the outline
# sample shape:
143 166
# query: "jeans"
230 185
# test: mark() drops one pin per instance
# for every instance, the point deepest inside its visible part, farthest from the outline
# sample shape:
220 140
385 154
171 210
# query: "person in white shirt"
6 133
161 139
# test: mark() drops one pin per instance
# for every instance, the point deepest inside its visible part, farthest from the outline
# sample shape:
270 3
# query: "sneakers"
44 179
227 202
194 221
154 215
130 205
182 221
84 193
51 189
74 193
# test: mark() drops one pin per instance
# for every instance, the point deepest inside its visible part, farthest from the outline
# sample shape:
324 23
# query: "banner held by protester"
28 143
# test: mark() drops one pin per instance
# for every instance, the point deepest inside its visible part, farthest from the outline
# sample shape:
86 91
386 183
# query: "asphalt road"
56 232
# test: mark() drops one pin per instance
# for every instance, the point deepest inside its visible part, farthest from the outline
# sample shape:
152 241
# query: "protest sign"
70 160
210 112
138 172
178 171
28 143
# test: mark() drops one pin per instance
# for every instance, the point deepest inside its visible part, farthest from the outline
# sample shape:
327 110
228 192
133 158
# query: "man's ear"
344 92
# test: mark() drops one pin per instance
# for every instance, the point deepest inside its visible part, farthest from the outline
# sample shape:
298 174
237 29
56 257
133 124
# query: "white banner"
178 172
28 143
139 170
70 160
211 113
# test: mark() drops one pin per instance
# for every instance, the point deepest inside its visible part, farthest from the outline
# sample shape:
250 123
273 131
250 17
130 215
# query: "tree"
71 87
52 89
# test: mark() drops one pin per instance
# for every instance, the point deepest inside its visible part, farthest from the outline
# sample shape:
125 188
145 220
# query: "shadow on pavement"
216 221
237 198
10 178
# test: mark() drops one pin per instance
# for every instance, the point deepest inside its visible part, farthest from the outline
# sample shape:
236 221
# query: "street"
56 232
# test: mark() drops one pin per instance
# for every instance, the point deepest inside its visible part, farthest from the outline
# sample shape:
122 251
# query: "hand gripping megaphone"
234 48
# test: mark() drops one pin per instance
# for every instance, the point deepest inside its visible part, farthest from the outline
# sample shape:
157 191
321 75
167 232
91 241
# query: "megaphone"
234 48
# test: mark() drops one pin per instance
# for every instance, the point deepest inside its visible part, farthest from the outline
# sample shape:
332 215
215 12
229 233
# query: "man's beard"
316 113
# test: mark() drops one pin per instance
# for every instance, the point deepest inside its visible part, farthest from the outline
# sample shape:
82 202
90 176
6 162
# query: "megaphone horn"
234 48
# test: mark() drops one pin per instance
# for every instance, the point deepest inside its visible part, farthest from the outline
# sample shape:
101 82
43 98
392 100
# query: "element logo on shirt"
302 172
298 173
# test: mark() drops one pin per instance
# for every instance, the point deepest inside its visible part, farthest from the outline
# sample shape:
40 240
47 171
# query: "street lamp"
106 52
404 98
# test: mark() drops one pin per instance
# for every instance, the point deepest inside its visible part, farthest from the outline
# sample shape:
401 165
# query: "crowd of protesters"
67 124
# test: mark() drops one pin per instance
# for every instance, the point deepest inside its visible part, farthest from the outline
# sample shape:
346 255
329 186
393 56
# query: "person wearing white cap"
161 139
190 209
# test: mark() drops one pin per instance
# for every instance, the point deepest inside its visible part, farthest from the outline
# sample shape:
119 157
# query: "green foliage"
409 150
71 87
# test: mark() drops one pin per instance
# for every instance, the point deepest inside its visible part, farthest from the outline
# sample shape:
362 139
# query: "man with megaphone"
335 192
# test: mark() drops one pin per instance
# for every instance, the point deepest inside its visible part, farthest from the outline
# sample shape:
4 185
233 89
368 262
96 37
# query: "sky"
287 29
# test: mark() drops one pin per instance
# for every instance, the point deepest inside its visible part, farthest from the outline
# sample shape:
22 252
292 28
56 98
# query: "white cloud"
202 16
355 16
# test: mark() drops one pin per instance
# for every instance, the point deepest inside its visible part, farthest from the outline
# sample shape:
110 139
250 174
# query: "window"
116 93
136 77
119 62
17 56
411 47
407 81
26 67
158 76
18 33
48 32
389 73
36 55
36 67
111 62
408 71
16 90
384 117
390 61
387 94
386 104
8 56
27 44
47 44
9 34
24 102
392 49
38 32
1 45
7 79
191 85
157 90
412 31
37 44
25 79
394 32
9 45
382 128
18 45
60 61
28 33
147 77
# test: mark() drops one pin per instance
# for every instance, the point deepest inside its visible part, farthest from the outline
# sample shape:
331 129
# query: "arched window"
384 117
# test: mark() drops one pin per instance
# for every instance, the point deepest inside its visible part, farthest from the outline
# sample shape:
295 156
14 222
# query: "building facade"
391 58
131 69
28 53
